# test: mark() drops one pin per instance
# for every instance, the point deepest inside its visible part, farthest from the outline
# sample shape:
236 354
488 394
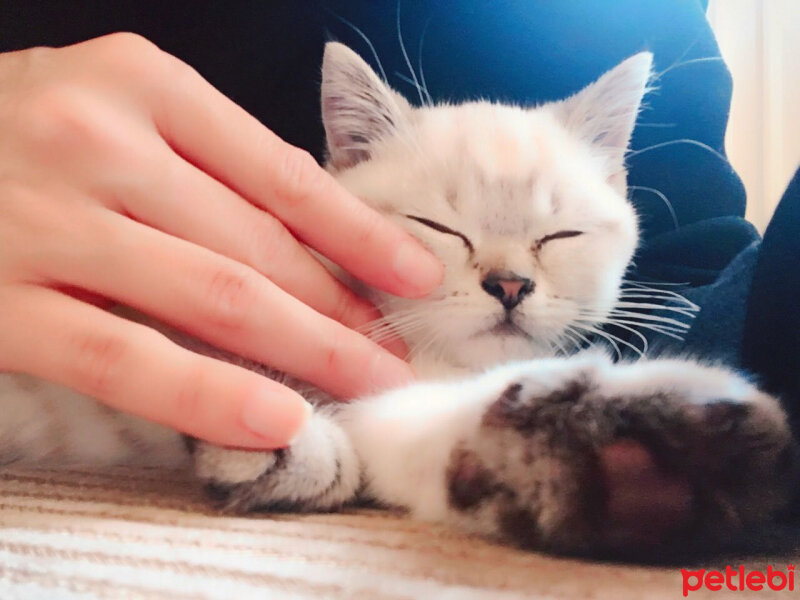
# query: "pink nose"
509 288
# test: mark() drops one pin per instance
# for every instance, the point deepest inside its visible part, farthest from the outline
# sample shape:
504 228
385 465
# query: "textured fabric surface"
147 533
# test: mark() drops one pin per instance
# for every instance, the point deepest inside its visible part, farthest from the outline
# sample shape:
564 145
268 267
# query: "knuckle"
232 295
334 359
178 73
126 44
132 56
59 118
302 177
98 363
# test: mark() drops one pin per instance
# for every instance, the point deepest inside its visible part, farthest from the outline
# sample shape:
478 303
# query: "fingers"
225 303
137 370
235 148
181 200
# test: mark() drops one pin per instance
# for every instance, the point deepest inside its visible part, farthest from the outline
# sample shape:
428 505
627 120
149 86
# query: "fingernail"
276 416
417 268
388 372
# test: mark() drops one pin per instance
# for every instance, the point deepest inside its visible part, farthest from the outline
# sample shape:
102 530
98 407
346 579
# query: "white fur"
505 177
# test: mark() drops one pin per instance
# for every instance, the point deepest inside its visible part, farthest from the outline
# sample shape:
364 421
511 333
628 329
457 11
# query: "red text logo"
738 579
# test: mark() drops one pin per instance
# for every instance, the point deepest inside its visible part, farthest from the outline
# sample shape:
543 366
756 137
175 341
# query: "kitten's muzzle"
509 288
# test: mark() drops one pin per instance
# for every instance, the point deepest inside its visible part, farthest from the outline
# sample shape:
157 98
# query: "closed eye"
444 229
560 235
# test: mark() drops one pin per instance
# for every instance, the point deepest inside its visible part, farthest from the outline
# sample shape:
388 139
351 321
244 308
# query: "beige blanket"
144 533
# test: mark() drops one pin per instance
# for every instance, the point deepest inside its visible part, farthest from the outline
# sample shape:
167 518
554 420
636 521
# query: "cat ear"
604 113
358 109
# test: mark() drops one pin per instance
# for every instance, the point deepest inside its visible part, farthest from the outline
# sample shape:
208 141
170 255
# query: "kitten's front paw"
623 459
319 471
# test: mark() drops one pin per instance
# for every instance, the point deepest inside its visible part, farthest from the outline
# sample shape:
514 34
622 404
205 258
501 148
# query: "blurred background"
760 41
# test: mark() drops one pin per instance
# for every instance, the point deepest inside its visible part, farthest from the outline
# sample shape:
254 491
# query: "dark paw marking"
189 443
504 411
725 416
470 483
218 493
526 415
519 525
538 473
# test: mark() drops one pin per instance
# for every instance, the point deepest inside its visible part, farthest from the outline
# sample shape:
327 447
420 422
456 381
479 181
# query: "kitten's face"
525 207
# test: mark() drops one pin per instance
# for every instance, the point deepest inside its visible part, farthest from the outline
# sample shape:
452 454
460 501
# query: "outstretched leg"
574 455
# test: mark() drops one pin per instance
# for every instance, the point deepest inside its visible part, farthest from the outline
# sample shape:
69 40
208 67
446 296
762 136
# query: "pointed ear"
358 109
604 113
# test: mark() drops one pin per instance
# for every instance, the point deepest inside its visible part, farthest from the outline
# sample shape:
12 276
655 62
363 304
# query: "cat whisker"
648 284
657 296
635 288
688 312
364 37
557 347
405 55
687 49
393 333
691 61
664 199
583 338
392 323
425 344
624 325
590 327
666 321
410 81
419 60
581 327
577 339
664 125
689 141
393 326
662 329
662 303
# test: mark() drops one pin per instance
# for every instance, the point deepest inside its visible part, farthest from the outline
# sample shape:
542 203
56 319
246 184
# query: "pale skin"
125 177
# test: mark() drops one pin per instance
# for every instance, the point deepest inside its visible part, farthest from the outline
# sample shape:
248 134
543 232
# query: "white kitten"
527 209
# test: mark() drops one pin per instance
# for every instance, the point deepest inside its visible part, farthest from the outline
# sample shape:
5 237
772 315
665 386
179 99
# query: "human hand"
125 175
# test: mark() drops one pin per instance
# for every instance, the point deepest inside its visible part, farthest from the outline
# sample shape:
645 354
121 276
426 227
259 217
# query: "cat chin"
487 350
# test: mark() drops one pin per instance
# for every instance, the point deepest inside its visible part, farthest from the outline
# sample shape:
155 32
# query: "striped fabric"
146 533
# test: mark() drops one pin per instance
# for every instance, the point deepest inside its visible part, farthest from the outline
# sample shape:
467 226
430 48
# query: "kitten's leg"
318 471
518 454
45 423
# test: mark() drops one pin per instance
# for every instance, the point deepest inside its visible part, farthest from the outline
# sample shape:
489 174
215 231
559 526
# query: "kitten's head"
526 207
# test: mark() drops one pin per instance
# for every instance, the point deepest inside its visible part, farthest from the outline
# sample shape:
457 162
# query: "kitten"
527 209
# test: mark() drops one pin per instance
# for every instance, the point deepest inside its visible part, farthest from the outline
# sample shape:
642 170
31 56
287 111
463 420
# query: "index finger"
238 150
